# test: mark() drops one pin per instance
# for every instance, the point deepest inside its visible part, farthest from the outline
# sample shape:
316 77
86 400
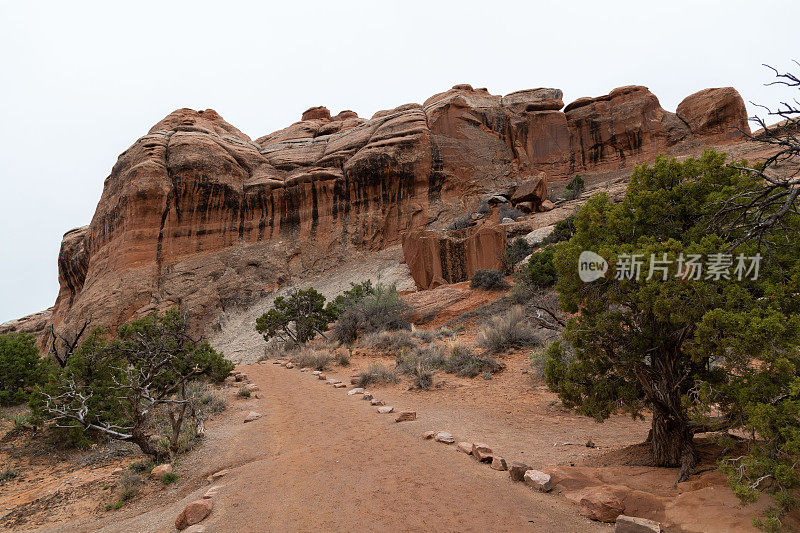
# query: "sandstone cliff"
197 214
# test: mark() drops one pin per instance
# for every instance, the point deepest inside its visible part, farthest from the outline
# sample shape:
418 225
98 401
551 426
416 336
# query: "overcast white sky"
82 80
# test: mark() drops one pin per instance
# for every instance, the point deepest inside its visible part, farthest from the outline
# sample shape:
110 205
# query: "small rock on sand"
339 385
353 392
538 480
428 435
161 470
465 447
445 437
498 463
482 452
633 524
376 401
517 471
385 409
193 513
251 416
406 416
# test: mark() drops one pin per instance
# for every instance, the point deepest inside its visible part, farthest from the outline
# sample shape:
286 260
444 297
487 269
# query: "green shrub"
168 478
508 331
342 357
490 280
140 467
350 297
424 335
21 368
244 392
421 377
390 341
519 250
296 318
377 374
562 232
574 188
431 358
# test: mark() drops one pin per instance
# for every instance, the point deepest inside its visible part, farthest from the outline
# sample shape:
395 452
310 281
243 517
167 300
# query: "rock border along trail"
320 459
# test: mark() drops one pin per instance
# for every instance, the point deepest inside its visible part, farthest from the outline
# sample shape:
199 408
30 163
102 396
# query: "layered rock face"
197 214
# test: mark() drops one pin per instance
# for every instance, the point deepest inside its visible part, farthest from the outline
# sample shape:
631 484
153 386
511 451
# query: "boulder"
517 471
632 524
406 416
385 409
538 480
160 470
718 112
193 513
601 504
533 190
498 463
528 100
443 436
464 447
316 113
535 237
436 258
252 416
482 452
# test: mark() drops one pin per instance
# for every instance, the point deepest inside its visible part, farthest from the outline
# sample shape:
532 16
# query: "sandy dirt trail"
320 460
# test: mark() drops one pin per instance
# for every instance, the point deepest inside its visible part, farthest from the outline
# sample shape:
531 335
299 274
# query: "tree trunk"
672 442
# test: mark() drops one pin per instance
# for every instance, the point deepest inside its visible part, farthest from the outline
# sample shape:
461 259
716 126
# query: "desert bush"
128 485
510 330
463 363
506 211
169 478
390 341
350 297
574 188
244 392
210 402
490 280
431 358
538 273
421 376
140 467
342 357
345 330
445 333
311 359
424 335
381 310
460 222
23 421
7 474
296 318
519 250
21 368
377 374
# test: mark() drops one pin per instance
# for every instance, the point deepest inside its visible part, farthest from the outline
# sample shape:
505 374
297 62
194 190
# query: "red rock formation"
437 259
197 214
715 112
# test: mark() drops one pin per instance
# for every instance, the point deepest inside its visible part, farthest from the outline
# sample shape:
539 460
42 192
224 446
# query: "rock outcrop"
196 214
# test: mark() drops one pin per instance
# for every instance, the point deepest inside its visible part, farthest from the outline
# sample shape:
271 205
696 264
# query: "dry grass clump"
128 485
465 364
510 330
309 358
377 374
390 341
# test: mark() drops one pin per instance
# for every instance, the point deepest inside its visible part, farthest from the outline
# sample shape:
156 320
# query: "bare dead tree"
62 352
758 213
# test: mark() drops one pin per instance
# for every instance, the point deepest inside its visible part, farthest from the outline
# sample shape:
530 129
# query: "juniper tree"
702 353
